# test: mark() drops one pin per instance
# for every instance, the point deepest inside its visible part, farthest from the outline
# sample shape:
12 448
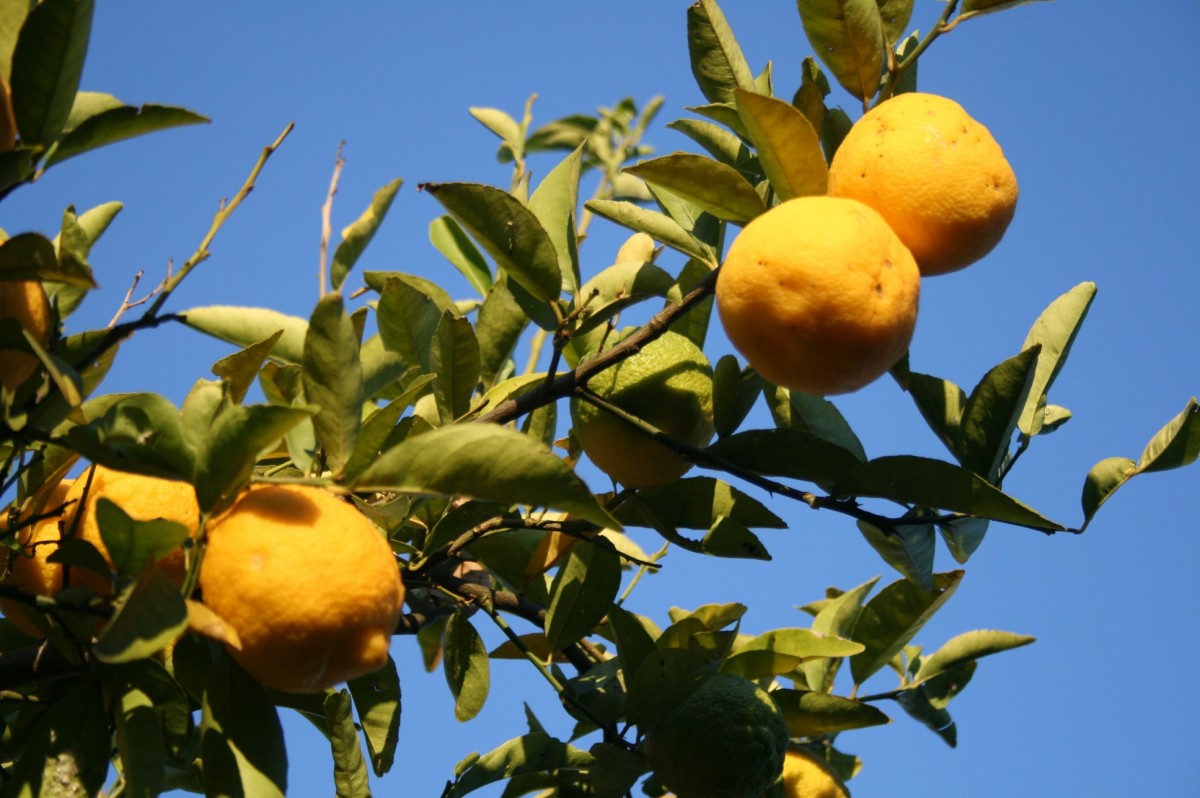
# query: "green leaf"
973 8
69 742
812 714
619 286
735 390
696 502
786 453
717 61
241 740
31 256
47 65
786 144
377 700
239 434
358 235
940 402
485 461
1055 330
968 647
132 543
658 226
12 16
1102 482
333 380
241 368
665 677
694 324
908 548
142 433
963 536
895 15
634 641
349 768
408 319
838 617
815 415
582 592
719 189
508 230
785 650
466 667
119 124
246 326
916 703
720 144
935 483
554 203
1175 445
847 35
536 752
140 743
498 328
991 412
454 358
151 616
456 246
890 620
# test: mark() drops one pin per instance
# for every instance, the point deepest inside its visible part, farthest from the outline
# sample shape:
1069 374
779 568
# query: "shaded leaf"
466 667
786 144
815 415
498 328
535 752
142 433
333 380
940 402
448 237
695 502
119 124
377 700
963 536
349 768
454 359
487 462
908 548
132 543
719 189
720 144
239 434
1055 331
991 413
717 61
140 743
619 286
359 233
735 390
935 483
811 714
847 35
634 641
917 704
582 592
151 616
787 453
664 678
47 65
972 8
31 256
508 230
728 537
968 647
70 742
409 316
241 740
891 618
241 368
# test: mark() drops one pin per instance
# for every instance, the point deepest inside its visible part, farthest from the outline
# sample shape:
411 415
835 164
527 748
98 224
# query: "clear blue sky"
1094 104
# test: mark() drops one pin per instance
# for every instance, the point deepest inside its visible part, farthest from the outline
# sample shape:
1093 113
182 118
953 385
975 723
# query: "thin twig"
326 217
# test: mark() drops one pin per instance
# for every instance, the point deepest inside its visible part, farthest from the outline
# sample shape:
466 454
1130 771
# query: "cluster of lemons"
308 584
820 293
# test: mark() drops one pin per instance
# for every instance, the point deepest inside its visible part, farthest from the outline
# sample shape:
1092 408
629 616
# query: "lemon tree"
397 472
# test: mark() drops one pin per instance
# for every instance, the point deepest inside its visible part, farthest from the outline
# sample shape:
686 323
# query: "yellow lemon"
25 302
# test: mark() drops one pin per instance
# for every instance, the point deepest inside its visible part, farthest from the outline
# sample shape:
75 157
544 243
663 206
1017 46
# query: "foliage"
412 404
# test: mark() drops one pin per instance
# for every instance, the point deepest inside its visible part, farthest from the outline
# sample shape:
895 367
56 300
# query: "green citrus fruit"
668 384
726 740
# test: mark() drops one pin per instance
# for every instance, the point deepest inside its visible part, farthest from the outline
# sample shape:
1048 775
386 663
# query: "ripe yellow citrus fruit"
819 295
726 740
25 302
309 584
935 174
667 384
805 776
143 498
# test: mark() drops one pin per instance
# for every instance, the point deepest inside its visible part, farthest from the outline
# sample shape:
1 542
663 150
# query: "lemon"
805 776
819 295
309 584
25 302
936 175
667 384
726 740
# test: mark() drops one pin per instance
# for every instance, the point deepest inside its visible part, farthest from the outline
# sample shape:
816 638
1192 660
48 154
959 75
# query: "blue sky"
1094 104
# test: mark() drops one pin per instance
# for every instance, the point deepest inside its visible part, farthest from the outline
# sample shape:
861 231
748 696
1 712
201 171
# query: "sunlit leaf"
1175 445
719 189
487 462
786 144
359 233
619 286
246 326
972 8
1055 330
810 714
554 202
891 618
815 415
119 124
333 380
239 434
717 61
847 35
535 752
968 647
466 667
142 433
132 543
408 315
656 225
720 144
837 617
456 246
